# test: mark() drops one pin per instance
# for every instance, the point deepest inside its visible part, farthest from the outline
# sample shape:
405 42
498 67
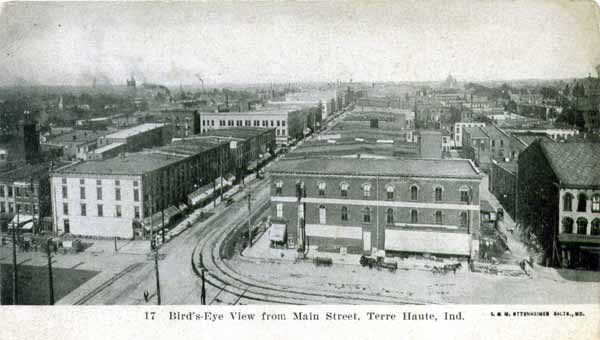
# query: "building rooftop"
575 164
526 138
238 132
475 132
448 168
108 147
132 131
137 163
77 137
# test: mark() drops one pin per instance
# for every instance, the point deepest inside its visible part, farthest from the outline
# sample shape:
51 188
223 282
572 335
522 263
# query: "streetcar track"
107 283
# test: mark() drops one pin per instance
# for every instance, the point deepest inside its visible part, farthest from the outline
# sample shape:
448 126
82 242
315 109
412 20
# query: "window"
595 227
389 216
64 192
390 192
414 216
278 188
117 194
63 180
344 214
367 190
65 208
367 215
136 183
136 212
582 226
464 195
82 181
10 191
278 123
99 193
568 202
11 208
82 193
567 224
438 217
501 142
83 210
98 182
596 203
322 214
344 189
136 195
100 210
414 193
283 123
321 187
463 219
2 207
67 225
117 183
117 210
581 202
279 210
2 191
438 194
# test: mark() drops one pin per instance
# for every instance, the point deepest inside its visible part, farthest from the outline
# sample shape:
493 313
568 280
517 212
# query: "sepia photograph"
412 153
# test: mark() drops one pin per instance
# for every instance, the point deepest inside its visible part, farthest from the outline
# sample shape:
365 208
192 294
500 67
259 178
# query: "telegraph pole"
15 276
249 196
157 276
50 277
203 292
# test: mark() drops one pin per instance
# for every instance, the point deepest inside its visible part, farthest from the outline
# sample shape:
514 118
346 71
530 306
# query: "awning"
21 218
200 194
430 242
277 232
157 218
27 226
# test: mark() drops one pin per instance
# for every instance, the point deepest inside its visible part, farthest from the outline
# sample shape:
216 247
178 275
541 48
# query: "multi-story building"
377 206
289 125
132 139
77 144
484 143
559 200
458 131
115 197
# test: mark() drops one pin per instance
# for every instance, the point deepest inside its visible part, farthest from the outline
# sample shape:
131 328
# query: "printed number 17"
150 315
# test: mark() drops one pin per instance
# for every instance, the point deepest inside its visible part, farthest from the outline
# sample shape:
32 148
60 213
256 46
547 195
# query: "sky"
69 43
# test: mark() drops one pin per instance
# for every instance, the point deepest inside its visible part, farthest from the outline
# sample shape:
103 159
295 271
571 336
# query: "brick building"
383 206
559 201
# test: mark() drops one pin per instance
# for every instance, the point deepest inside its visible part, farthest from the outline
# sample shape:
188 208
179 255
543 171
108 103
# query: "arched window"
464 194
463 219
414 193
582 226
390 216
438 194
344 189
278 187
414 216
344 214
595 227
367 215
568 202
322 214
321 186
596 203
438 217
390 192
581 202
367 190
567 223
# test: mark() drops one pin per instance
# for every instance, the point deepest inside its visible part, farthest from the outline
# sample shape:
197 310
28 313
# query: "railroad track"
228 280
108 283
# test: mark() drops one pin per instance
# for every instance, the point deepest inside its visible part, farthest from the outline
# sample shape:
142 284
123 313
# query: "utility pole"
15 276
157 275
249 196
203 292
50 276
32 207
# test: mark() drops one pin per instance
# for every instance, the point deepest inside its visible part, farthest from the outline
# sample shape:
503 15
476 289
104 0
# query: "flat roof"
108 147
475 132
132 131
274 111
77 136
238 132
449 168
137 163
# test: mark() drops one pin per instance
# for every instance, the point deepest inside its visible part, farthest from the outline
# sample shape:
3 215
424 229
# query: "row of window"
390 191
581 226
247 122
17 191
581 202
99 210
10 208
367 215
99 182
82 195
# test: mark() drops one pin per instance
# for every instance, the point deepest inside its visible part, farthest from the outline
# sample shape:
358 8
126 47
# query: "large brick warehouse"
377 206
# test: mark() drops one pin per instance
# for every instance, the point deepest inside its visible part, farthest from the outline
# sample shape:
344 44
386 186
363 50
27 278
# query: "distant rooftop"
475 132
448 168
575 164
126 133
239 132
137 163
77 137
108 147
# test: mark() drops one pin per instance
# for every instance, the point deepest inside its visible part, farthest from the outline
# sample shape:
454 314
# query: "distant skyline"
68 43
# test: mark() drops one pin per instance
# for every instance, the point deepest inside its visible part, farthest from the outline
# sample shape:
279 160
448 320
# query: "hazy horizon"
53 44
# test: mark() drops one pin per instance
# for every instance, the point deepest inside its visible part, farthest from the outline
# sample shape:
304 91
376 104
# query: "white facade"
79 208
277 120
458 131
